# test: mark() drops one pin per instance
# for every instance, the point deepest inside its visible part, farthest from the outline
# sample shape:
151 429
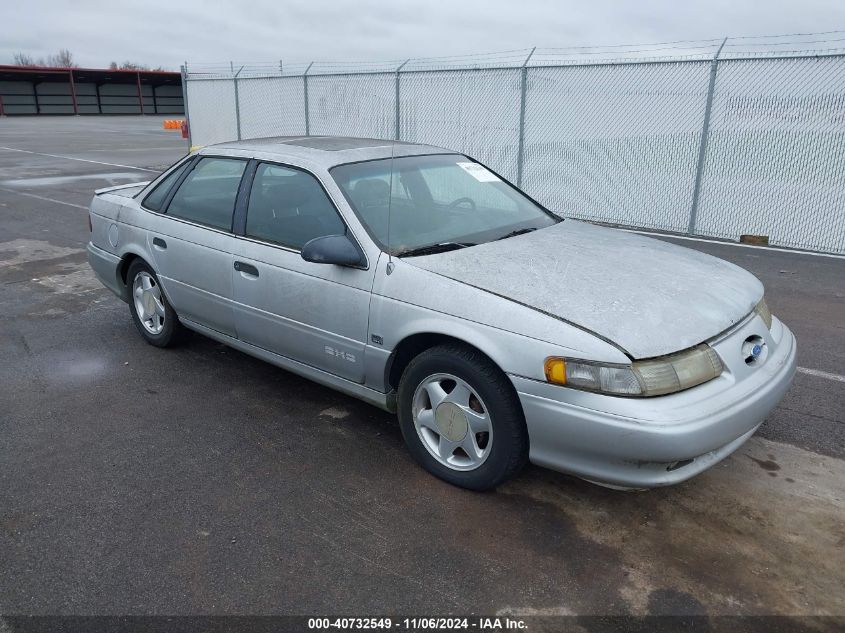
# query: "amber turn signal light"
555 370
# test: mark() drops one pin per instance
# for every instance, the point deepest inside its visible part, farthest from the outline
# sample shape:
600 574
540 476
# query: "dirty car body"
633 362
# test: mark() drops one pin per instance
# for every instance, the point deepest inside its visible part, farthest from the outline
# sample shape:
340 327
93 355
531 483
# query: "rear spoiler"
119 187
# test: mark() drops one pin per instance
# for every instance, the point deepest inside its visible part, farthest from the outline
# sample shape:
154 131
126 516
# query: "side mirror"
333 249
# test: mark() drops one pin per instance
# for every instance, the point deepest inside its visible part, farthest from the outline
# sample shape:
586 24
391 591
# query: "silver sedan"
418 280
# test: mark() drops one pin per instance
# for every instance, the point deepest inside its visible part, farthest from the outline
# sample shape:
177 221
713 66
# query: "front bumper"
648 442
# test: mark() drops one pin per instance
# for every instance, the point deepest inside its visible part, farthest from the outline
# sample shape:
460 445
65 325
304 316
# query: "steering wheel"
454 204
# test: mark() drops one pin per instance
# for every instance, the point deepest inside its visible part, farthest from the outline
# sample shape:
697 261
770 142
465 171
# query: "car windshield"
435 202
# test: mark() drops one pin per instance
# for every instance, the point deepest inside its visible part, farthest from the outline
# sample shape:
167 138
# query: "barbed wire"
759 37
747 46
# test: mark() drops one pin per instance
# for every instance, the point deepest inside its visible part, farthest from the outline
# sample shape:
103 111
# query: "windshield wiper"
515 233
431 249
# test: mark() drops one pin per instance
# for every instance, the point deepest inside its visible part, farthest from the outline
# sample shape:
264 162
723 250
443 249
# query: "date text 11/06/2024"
421 623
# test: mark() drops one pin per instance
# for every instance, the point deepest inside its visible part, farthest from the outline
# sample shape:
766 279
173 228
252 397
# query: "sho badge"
339 353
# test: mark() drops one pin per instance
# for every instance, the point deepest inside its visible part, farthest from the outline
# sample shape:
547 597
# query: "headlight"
641 378
763 310
581 374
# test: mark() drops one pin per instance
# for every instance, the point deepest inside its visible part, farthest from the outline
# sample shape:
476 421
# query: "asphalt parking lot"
202 481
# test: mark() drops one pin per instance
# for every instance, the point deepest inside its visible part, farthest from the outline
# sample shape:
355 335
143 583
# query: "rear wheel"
461 418
154 318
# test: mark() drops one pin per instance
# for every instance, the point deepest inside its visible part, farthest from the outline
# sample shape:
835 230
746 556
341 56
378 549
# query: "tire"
162 329
431 429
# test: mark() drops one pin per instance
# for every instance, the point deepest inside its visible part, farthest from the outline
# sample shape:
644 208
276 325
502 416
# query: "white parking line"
32 195
81 160
111 177
821 374
723 243
129 149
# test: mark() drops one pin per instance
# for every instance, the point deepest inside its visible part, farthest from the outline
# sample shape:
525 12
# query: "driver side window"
289 207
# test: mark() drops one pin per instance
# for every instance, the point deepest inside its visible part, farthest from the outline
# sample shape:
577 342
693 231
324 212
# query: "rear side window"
156 199
207 195
289 207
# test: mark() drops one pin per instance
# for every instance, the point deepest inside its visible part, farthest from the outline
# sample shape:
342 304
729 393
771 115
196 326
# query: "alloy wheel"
452 421
148 302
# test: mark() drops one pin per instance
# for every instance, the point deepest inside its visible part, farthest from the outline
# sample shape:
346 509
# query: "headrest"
371 192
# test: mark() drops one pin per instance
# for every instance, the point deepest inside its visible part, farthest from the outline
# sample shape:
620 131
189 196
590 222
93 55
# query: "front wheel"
461 418
154 318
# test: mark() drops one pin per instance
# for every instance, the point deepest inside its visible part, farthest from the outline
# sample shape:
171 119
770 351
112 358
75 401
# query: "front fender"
517 338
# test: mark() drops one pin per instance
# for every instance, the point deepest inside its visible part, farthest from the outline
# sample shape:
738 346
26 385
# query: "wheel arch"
415 344
123 269
126 260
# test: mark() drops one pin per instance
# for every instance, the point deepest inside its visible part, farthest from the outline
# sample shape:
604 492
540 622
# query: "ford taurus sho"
417 279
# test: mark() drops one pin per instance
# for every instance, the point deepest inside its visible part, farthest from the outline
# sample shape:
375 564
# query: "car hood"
647 296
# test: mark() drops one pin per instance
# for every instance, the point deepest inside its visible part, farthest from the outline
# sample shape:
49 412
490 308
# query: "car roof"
327 151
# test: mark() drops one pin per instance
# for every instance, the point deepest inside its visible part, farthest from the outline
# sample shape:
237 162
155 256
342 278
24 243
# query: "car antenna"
390 264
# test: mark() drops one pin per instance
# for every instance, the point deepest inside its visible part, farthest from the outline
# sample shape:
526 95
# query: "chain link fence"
714 137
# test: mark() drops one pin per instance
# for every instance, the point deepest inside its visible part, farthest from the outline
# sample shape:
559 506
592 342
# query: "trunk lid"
126 191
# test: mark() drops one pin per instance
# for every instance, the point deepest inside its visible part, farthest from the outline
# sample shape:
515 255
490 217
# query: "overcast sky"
165 33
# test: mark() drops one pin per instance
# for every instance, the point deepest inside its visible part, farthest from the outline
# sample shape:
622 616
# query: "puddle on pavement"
77 279
22 251
61 274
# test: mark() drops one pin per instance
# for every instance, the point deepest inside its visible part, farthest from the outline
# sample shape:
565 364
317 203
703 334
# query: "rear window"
207 196
155 200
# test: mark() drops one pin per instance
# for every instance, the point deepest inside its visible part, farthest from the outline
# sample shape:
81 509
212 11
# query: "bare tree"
62 59
127 65
22 59
133 66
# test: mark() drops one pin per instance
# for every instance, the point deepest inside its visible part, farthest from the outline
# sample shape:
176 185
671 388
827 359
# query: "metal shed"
40 90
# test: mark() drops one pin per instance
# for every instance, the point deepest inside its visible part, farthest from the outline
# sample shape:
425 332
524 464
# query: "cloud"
156 32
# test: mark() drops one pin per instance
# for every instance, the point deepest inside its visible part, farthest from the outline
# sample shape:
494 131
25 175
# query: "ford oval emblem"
756 350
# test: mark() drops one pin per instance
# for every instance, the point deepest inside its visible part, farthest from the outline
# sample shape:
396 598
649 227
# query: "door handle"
247 269
160 243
